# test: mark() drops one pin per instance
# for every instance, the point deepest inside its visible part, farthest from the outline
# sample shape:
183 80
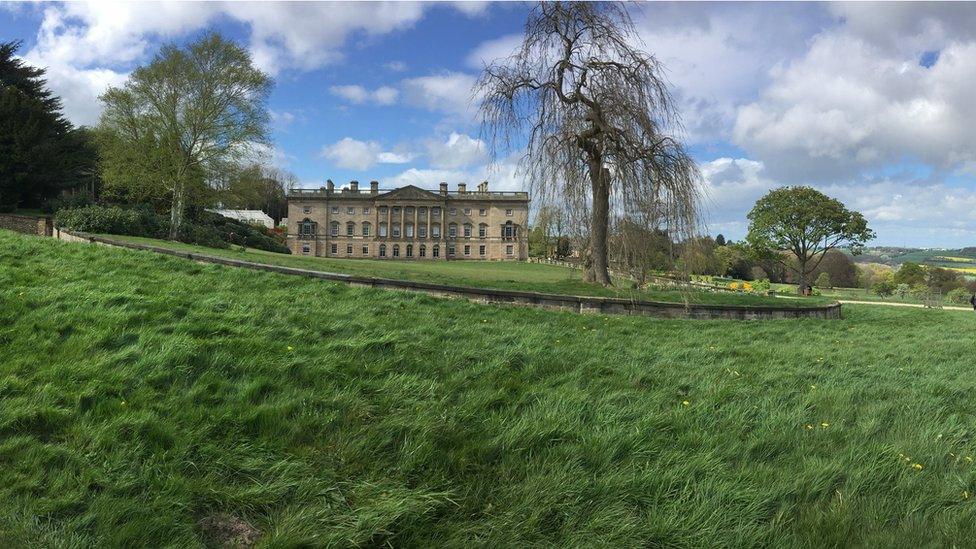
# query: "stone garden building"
408 223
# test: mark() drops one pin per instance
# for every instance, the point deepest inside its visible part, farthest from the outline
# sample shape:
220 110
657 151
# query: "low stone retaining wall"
27 224
573 303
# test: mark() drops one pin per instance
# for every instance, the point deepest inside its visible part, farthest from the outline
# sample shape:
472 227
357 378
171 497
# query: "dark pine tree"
40 152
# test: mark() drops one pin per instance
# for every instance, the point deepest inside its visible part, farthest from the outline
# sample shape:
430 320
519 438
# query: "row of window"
451 250
508 230
436 212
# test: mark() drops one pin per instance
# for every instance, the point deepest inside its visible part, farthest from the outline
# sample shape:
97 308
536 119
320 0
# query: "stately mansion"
408 223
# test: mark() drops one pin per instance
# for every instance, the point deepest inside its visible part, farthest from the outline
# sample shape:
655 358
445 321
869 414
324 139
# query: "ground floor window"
437 251
509 250
382 250
467 250
423 251
481 250
409 250
306 249
451 250
365 250
348 249
335 248
396 250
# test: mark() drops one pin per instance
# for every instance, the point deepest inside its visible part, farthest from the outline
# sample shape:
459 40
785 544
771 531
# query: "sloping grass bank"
142 395
506 275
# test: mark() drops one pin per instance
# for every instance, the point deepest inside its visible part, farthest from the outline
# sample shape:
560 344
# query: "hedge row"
203 228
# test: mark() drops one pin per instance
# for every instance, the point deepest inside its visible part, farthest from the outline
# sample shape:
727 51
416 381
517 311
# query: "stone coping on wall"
573 303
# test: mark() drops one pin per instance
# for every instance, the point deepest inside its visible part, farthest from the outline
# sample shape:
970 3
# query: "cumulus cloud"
353 154
396 66
450 93
358 95
459 151
88 46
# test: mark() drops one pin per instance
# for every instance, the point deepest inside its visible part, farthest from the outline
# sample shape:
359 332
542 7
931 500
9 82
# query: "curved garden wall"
573 303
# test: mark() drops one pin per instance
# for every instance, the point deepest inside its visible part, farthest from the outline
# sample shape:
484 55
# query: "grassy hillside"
511 275
142 396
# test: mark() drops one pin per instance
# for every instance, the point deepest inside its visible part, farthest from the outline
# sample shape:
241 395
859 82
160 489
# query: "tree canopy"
599 121
805 223
178 122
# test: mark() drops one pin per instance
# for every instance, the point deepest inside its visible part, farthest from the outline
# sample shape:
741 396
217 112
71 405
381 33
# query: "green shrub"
883 288
100 219
202 227
958 296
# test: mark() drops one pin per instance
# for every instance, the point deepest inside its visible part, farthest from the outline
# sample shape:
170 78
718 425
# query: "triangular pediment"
410 192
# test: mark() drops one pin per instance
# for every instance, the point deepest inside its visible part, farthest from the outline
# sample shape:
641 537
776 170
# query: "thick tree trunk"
176 212
598 270
802 278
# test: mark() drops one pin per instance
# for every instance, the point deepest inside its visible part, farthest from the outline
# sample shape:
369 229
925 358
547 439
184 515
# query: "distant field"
492 274
142 395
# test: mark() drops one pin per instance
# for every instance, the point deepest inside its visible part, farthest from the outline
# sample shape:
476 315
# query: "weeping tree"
597 121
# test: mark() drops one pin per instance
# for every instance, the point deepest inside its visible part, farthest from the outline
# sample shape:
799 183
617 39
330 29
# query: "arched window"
383 229
409 250
508 230
435 230
350 228
396 250
409 230
382 250
334 228
483 230
467 230
423 251
437 250
366 227
396 230
452 230
306 228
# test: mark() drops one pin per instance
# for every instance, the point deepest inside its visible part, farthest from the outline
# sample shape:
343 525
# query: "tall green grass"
140 394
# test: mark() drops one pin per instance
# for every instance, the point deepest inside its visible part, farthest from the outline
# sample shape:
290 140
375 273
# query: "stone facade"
408 223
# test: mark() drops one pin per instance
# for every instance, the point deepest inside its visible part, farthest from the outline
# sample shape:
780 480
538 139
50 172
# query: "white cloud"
88 46
396 66
359 95
353 154
850 106
503 176
459 151
450 93
493 50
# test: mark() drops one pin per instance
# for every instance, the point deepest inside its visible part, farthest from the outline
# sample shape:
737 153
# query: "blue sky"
870 103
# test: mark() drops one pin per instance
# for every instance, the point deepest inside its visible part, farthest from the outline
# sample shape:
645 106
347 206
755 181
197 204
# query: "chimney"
330 186
354 186
374 187
483 187
443 189
462 188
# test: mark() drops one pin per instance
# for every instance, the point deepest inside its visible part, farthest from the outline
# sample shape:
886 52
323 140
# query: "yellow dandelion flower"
965 494
123 403
686 403
917 466
825 425
969 459
813 386
809 426
290 348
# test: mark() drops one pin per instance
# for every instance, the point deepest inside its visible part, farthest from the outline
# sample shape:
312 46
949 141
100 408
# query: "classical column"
389 221
416 221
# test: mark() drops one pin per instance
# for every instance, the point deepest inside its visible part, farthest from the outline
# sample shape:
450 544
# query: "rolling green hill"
145 399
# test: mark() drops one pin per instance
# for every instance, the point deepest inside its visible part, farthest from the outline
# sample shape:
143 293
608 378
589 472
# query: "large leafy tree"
599 120
41 153
180 121
806 224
